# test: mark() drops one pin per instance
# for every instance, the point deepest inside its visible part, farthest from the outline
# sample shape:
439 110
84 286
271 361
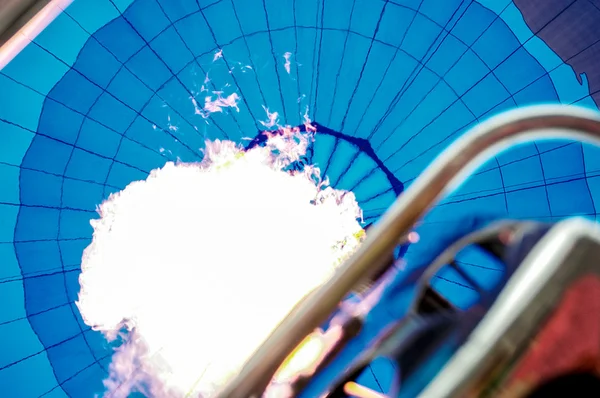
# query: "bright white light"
200 262
287 63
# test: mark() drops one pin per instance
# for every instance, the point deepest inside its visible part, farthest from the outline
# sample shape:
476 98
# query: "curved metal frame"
21 21
538 284
13 11
444 175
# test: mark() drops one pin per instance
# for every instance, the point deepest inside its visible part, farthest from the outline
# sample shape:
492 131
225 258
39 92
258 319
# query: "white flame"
273 118
218 55
200 262
287 63
217 105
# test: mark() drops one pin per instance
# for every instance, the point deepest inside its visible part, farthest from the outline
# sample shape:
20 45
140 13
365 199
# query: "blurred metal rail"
21 21
14 14
444 175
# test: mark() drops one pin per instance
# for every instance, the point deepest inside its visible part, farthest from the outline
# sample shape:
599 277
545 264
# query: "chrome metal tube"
16 13
444 175
494 347
21 21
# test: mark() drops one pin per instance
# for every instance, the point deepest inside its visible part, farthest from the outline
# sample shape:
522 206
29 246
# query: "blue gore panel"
110 90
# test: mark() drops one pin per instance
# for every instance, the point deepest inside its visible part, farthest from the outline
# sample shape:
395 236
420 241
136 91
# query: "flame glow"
217 105
191 269
218 55
287 63
273 118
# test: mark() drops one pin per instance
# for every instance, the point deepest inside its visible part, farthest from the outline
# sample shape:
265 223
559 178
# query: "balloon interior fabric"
106 93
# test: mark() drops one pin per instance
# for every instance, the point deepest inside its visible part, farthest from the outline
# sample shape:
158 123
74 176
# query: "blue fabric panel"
104 95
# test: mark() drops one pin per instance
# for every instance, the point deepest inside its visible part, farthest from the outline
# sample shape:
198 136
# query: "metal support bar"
14 14
21 21
444 175
533 291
